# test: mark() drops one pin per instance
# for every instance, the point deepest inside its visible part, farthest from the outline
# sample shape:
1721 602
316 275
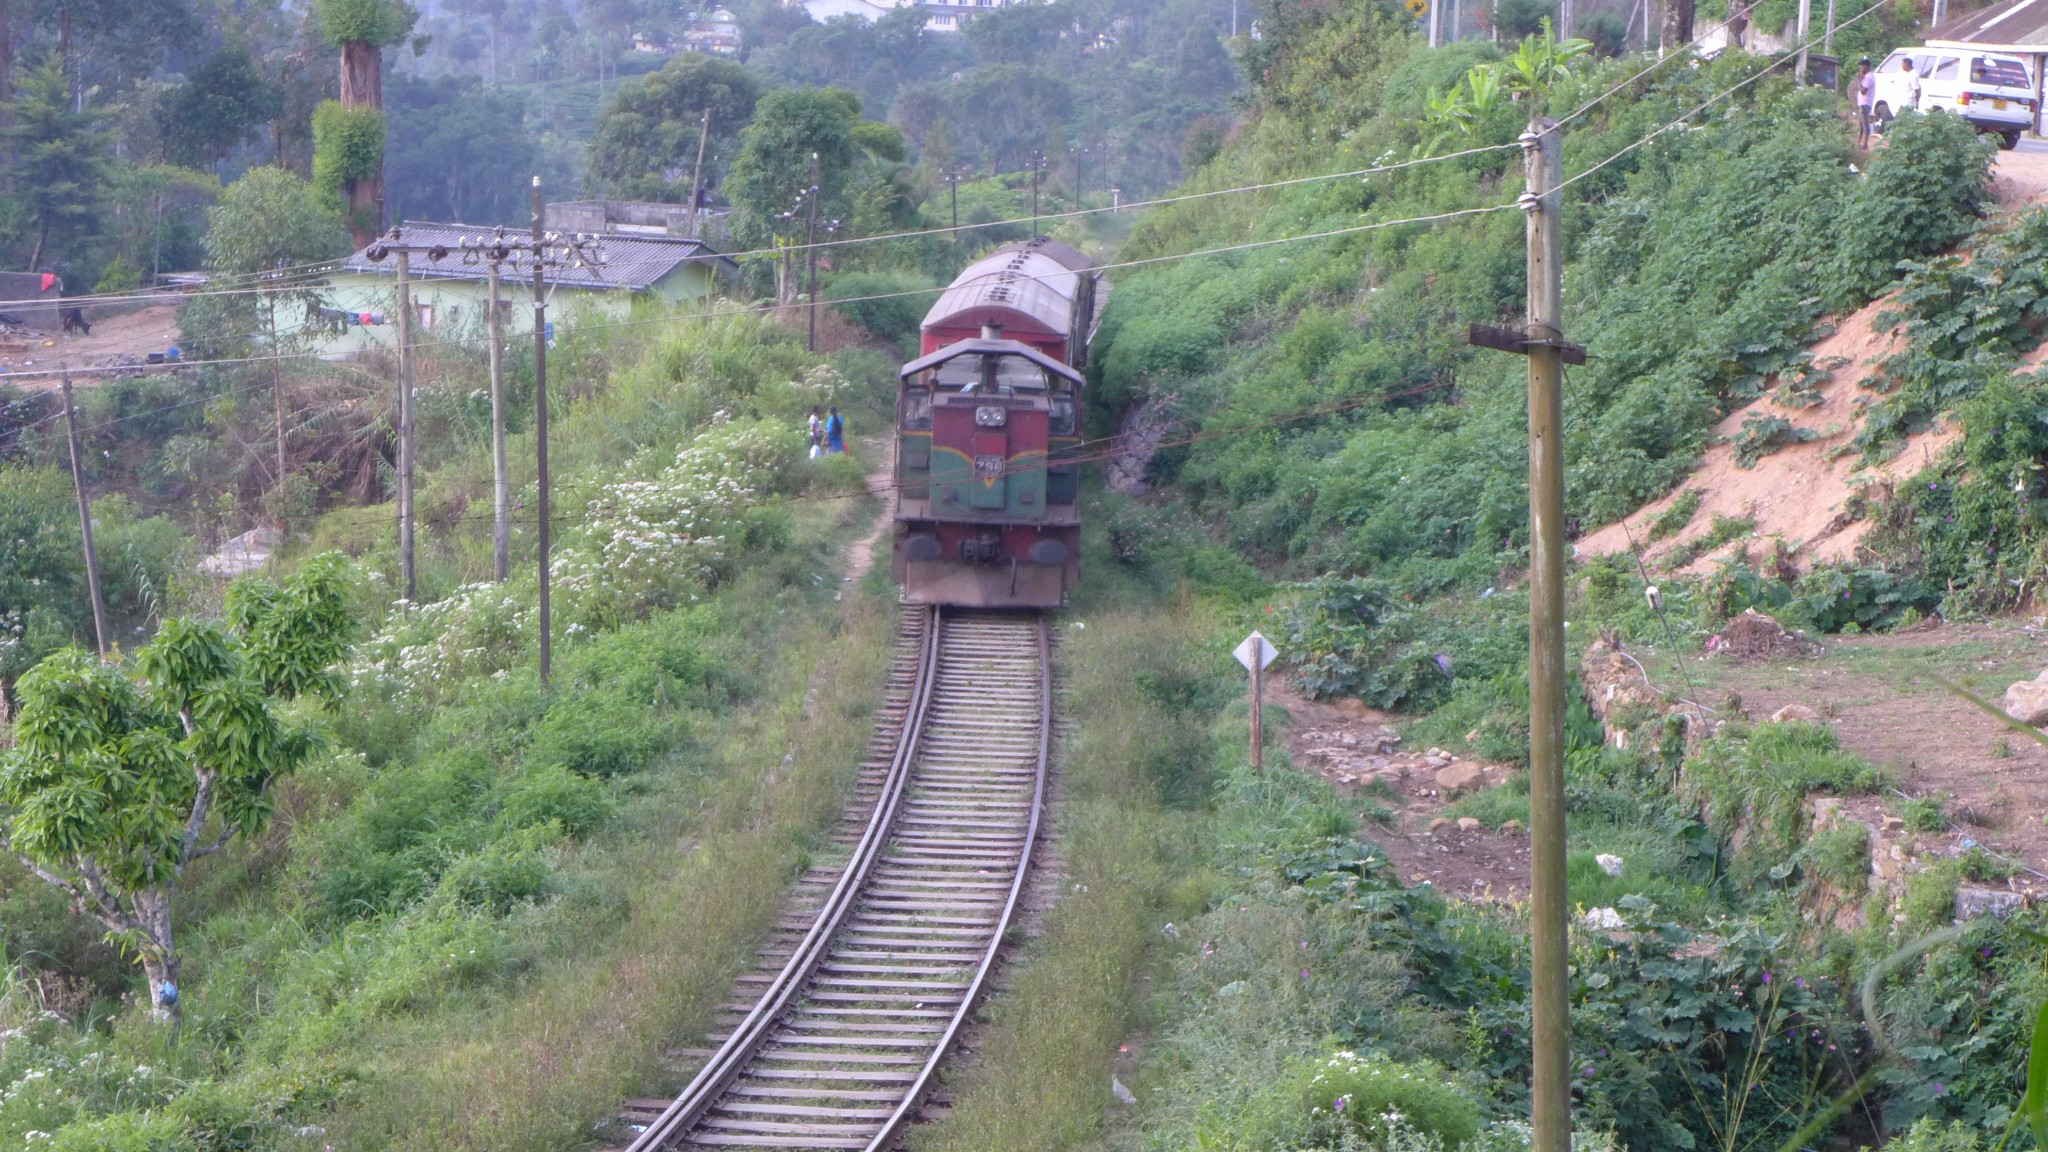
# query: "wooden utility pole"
277 391
501 481
405 521
540 426
1550 1090
92 556
697 174
811 249
1255 652
1543 343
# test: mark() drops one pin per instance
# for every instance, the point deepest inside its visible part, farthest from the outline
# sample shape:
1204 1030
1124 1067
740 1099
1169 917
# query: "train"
988 431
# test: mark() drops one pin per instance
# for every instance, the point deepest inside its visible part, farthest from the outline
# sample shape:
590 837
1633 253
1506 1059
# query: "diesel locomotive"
988 424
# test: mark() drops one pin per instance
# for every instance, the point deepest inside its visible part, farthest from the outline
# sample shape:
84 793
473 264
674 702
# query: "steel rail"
843 1046
732 1056
915 1097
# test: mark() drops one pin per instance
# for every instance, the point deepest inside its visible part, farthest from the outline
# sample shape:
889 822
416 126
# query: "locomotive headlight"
990 416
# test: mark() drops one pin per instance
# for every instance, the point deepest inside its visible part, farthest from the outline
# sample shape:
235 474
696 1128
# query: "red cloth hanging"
49 281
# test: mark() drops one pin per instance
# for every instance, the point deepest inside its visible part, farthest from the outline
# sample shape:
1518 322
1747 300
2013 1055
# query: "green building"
359 305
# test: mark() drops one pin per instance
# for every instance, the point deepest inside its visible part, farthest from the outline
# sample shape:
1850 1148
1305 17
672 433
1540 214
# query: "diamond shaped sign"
1255 647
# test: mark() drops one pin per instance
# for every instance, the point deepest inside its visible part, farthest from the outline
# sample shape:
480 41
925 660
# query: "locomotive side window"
1062 417
917 408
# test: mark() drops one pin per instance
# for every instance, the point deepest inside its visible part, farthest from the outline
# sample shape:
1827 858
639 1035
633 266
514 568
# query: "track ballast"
841 1047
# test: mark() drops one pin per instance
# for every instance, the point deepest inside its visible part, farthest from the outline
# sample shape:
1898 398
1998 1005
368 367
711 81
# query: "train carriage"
988 420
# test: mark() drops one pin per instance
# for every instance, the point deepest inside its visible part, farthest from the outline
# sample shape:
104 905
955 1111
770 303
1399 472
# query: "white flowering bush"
658 542
1383 1104
649 542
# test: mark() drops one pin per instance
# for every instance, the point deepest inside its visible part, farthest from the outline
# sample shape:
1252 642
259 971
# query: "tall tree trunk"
7 65
362 86
1677 25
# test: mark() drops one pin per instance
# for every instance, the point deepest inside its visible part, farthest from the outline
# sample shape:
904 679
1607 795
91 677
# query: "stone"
1894 825
1609 863
1469 824
1511 828
1826 810
1123 1095
1439 824
1435 761
2027 702
1460 776
1799 712
1974 902
1604 920
1351 706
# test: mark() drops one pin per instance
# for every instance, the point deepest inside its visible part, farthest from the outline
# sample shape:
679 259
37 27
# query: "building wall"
455 309
28 286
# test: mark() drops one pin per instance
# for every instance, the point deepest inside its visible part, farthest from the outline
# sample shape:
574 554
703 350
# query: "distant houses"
940 15
643 260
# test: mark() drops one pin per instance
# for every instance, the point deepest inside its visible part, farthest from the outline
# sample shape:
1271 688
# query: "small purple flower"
1586 1071
1443 664
1767 977
1799 981
1939 1089
1340 1102
1304 973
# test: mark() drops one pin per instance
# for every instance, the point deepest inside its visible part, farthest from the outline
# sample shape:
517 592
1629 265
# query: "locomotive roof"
1021 293
983 346
1069 257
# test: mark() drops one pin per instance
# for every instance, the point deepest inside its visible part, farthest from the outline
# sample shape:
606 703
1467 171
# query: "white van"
1991 92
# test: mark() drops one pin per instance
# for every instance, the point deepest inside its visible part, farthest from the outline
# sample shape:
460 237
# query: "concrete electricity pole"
501 481
405 522
540 427
811 250
697 175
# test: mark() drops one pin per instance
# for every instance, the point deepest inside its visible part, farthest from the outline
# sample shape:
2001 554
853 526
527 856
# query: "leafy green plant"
1840 855
1763 433
120 781
1676 515
1923 814
1723 530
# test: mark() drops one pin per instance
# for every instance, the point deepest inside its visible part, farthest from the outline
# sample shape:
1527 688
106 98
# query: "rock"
1460 776
1123 1095
1799 712
1350 706
1435 761
1171 932
1469 824
1826 810
1604 920
1609 863
1894 825
1511 828
2027 702
1974 902
1439 824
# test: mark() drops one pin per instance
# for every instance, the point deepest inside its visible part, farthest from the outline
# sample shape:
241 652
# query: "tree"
121 778
646 139
1202 69
221 104
774 164
59 164
270 219
459 151
348 134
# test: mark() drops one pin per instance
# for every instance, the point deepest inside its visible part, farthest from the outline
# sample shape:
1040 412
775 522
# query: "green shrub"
1348 1093
124 1132
1674 518
602 733
1756 785
904 299
1840 855
1927 1136
1923 814
553 793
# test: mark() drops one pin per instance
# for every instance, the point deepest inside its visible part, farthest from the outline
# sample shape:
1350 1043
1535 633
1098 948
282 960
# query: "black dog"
74 321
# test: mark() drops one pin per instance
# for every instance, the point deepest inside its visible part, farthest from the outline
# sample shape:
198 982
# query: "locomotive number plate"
988 467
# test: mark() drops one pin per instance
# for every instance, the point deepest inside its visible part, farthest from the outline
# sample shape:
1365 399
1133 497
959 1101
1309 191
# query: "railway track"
841 1047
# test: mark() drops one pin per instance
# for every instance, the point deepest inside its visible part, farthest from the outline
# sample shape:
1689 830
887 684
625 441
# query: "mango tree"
122 777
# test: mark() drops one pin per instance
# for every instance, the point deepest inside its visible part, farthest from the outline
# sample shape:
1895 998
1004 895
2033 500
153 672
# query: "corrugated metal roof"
2015 22
632 263
969 301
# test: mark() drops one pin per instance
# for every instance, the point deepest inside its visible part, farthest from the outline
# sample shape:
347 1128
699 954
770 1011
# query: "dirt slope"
1800 492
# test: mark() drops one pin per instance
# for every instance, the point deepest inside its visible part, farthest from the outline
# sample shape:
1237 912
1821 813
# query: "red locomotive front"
988 420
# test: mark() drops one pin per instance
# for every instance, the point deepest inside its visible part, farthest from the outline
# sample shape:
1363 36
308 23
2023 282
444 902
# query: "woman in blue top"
835 432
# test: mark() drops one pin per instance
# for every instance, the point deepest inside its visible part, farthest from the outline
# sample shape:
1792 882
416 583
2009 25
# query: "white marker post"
1255 653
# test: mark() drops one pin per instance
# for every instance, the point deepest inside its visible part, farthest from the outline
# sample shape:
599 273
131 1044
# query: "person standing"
835 433
817 434
1866 95
1912 86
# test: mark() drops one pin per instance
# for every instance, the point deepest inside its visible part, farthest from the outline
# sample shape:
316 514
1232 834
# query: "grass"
1044 1082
